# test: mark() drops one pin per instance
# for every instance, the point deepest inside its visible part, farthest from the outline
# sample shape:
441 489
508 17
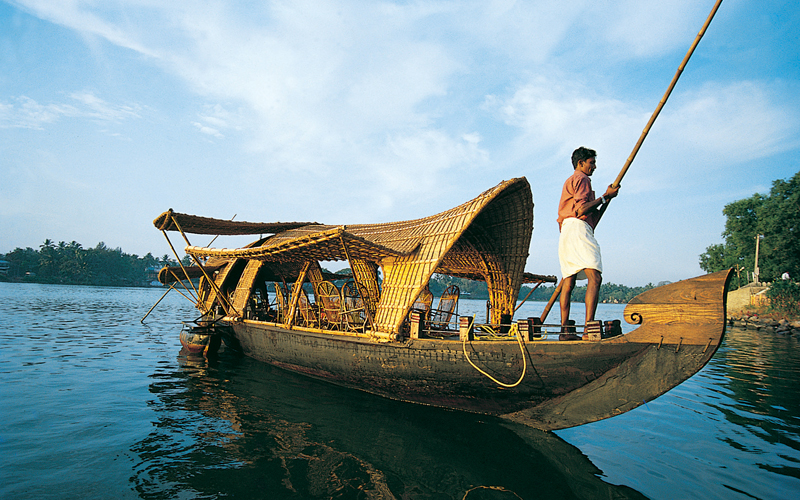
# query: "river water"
99 405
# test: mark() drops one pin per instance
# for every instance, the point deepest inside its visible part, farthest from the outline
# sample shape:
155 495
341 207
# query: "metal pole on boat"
527 296
178 258
171 287
552 301
211 282
179 280
154 305
661 104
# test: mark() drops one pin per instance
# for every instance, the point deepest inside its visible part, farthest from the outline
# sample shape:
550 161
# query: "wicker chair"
447 307
307 313
353 314
329 301
424 301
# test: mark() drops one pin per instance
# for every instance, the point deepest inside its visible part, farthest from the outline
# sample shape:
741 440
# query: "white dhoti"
577 249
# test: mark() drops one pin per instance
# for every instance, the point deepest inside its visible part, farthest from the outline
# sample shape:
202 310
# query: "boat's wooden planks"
637 380
565 383
701 290
689 312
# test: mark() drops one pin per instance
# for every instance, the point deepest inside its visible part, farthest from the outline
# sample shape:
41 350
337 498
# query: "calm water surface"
98 405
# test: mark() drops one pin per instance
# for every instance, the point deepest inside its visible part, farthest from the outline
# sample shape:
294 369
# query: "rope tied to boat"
514 331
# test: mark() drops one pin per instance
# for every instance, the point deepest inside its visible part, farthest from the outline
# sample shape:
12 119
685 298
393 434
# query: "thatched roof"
487 237
194 224
317 242
172 274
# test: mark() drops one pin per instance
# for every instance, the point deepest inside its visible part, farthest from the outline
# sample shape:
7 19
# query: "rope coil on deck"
514 331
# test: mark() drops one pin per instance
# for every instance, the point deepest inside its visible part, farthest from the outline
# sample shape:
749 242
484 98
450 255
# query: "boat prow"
681 327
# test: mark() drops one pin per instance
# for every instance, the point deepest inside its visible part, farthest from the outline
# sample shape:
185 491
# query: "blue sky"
358 112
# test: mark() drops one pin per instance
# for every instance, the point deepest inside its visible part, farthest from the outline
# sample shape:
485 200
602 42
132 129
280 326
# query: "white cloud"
719 123
92 106
644 29
733 122
207 130
554 117
327 83
25 112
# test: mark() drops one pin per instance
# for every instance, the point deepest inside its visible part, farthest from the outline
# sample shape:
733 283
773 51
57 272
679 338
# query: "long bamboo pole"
661 104
552 301
645 132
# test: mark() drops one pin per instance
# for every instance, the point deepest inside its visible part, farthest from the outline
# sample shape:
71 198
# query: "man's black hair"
582 154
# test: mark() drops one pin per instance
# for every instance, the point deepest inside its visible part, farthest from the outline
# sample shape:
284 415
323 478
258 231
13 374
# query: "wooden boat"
383 336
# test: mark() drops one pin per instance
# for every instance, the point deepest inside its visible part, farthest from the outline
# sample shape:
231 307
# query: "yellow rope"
496 488
514 330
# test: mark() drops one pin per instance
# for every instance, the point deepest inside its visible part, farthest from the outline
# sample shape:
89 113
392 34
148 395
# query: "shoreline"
761 319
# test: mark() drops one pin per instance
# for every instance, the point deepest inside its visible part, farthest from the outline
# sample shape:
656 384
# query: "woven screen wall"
496 229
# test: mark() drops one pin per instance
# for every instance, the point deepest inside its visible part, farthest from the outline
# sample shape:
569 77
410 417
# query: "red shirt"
576 192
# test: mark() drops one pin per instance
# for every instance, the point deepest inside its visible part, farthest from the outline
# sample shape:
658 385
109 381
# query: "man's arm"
590 206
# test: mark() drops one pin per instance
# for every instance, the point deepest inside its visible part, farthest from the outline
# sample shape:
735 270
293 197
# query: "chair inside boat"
258 306
329 301
308 315
424 302
445 310
421 306
353 313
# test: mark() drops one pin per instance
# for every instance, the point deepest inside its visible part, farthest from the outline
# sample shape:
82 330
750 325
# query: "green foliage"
470 289
609 292
784 297
776 217
70 263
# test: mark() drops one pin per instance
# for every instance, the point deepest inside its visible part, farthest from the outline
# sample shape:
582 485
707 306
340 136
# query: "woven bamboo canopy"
485 238
194 224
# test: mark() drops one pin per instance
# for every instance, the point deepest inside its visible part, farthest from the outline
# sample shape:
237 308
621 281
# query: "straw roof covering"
318 242
172 274
485 238
174 221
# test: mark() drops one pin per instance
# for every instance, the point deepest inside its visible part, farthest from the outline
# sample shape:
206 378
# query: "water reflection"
98 405
762 370
731 431
240 428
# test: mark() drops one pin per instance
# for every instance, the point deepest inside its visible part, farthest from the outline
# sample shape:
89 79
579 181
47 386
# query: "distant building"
4 266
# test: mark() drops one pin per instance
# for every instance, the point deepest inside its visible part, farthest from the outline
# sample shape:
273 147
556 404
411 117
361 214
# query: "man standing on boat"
578 251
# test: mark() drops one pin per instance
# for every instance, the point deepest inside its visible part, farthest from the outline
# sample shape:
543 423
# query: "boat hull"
564 384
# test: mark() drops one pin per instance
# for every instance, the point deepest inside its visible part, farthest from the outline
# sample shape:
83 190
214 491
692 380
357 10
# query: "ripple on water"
98 405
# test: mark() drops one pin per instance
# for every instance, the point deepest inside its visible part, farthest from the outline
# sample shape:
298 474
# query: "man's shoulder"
577 177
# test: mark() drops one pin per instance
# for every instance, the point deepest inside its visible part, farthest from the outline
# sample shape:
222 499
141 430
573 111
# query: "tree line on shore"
773 221
767 226
470 289
72 264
